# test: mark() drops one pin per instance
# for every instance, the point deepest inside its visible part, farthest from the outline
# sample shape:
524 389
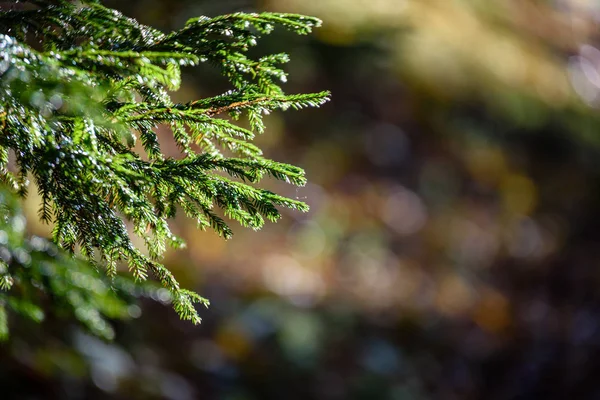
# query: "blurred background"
452 250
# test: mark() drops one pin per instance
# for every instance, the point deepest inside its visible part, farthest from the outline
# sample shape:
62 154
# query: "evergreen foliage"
80 86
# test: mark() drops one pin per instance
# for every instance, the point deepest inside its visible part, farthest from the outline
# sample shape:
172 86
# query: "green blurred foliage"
37 277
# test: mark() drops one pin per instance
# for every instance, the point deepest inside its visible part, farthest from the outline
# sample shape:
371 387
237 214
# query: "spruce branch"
73 110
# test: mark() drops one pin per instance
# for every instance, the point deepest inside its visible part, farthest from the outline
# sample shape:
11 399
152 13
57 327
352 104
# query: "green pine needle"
72 111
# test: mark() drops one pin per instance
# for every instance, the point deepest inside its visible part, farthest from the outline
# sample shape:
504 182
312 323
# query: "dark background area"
452 247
